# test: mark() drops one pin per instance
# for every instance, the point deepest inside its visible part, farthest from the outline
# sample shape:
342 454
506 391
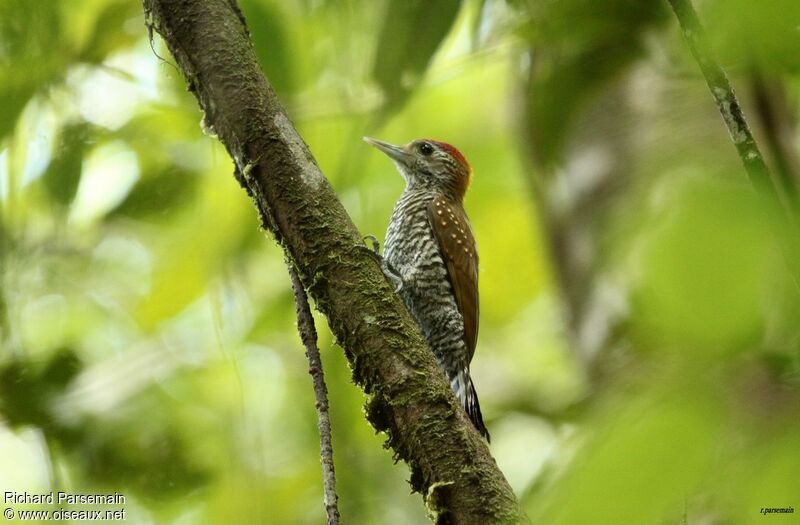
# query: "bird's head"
429 164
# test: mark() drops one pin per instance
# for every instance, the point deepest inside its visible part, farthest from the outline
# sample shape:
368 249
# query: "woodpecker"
431 257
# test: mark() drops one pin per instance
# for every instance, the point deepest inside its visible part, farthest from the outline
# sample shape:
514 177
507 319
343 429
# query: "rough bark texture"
409 397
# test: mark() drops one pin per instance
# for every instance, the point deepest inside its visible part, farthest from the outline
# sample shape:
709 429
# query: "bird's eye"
425 148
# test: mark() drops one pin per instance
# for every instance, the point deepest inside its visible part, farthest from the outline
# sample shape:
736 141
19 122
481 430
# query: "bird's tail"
466 394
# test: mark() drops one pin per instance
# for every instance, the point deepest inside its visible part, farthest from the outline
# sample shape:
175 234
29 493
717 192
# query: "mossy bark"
409 398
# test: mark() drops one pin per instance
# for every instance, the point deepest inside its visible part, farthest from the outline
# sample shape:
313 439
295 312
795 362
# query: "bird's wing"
457 244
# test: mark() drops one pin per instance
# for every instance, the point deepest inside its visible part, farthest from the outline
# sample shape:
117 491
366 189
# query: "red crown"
452 150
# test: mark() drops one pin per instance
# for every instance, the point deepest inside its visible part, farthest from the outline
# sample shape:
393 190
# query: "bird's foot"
375 252
376 246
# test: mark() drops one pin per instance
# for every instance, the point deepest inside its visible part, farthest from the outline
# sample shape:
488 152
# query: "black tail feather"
473 408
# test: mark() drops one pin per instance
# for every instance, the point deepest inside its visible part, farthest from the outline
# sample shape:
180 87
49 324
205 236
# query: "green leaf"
109 34
706 264
28 32
158 194
13 98
639 467
199 246
577 47
28 387
64 172
412 32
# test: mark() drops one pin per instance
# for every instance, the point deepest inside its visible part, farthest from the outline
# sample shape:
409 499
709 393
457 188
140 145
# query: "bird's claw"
374 250
387 268
376 246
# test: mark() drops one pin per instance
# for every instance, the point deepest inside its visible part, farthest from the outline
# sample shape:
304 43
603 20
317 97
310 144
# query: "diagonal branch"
776 195
308 334
726 100
409 397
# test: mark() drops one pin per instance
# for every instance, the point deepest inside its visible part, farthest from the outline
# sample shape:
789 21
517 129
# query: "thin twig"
725 98
749 153
308 334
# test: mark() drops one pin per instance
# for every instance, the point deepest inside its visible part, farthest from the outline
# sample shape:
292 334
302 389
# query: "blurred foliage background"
639 352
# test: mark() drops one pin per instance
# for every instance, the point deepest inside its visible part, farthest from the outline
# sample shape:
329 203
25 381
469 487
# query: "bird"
431 257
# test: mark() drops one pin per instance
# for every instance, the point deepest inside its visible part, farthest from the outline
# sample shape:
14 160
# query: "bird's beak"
396 153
